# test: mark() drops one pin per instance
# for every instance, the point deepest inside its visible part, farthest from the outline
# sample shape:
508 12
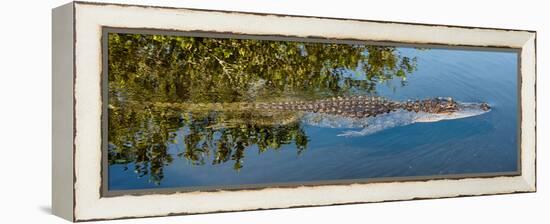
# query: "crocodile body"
339 112
351 106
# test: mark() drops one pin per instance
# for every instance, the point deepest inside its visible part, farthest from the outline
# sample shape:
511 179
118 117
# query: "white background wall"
25 112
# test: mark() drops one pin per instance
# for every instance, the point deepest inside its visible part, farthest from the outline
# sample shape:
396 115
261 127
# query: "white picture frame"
77 110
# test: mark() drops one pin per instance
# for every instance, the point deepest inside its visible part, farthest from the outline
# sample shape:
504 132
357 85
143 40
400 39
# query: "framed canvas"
168 111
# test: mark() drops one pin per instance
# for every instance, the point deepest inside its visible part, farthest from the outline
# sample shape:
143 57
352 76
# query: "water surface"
486 143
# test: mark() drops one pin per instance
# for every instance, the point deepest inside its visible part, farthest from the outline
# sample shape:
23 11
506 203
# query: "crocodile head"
448 109
449 105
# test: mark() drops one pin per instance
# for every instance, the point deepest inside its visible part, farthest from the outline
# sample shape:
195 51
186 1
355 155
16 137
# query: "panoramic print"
199 112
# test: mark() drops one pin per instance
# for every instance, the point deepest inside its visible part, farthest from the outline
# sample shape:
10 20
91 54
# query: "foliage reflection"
149 69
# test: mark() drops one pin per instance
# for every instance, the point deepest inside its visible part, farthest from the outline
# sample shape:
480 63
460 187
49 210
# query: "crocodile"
349 106
371 113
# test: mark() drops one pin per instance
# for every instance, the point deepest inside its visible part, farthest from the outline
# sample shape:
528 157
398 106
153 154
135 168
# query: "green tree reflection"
174 69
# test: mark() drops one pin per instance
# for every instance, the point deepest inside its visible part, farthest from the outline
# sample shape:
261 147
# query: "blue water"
480 144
